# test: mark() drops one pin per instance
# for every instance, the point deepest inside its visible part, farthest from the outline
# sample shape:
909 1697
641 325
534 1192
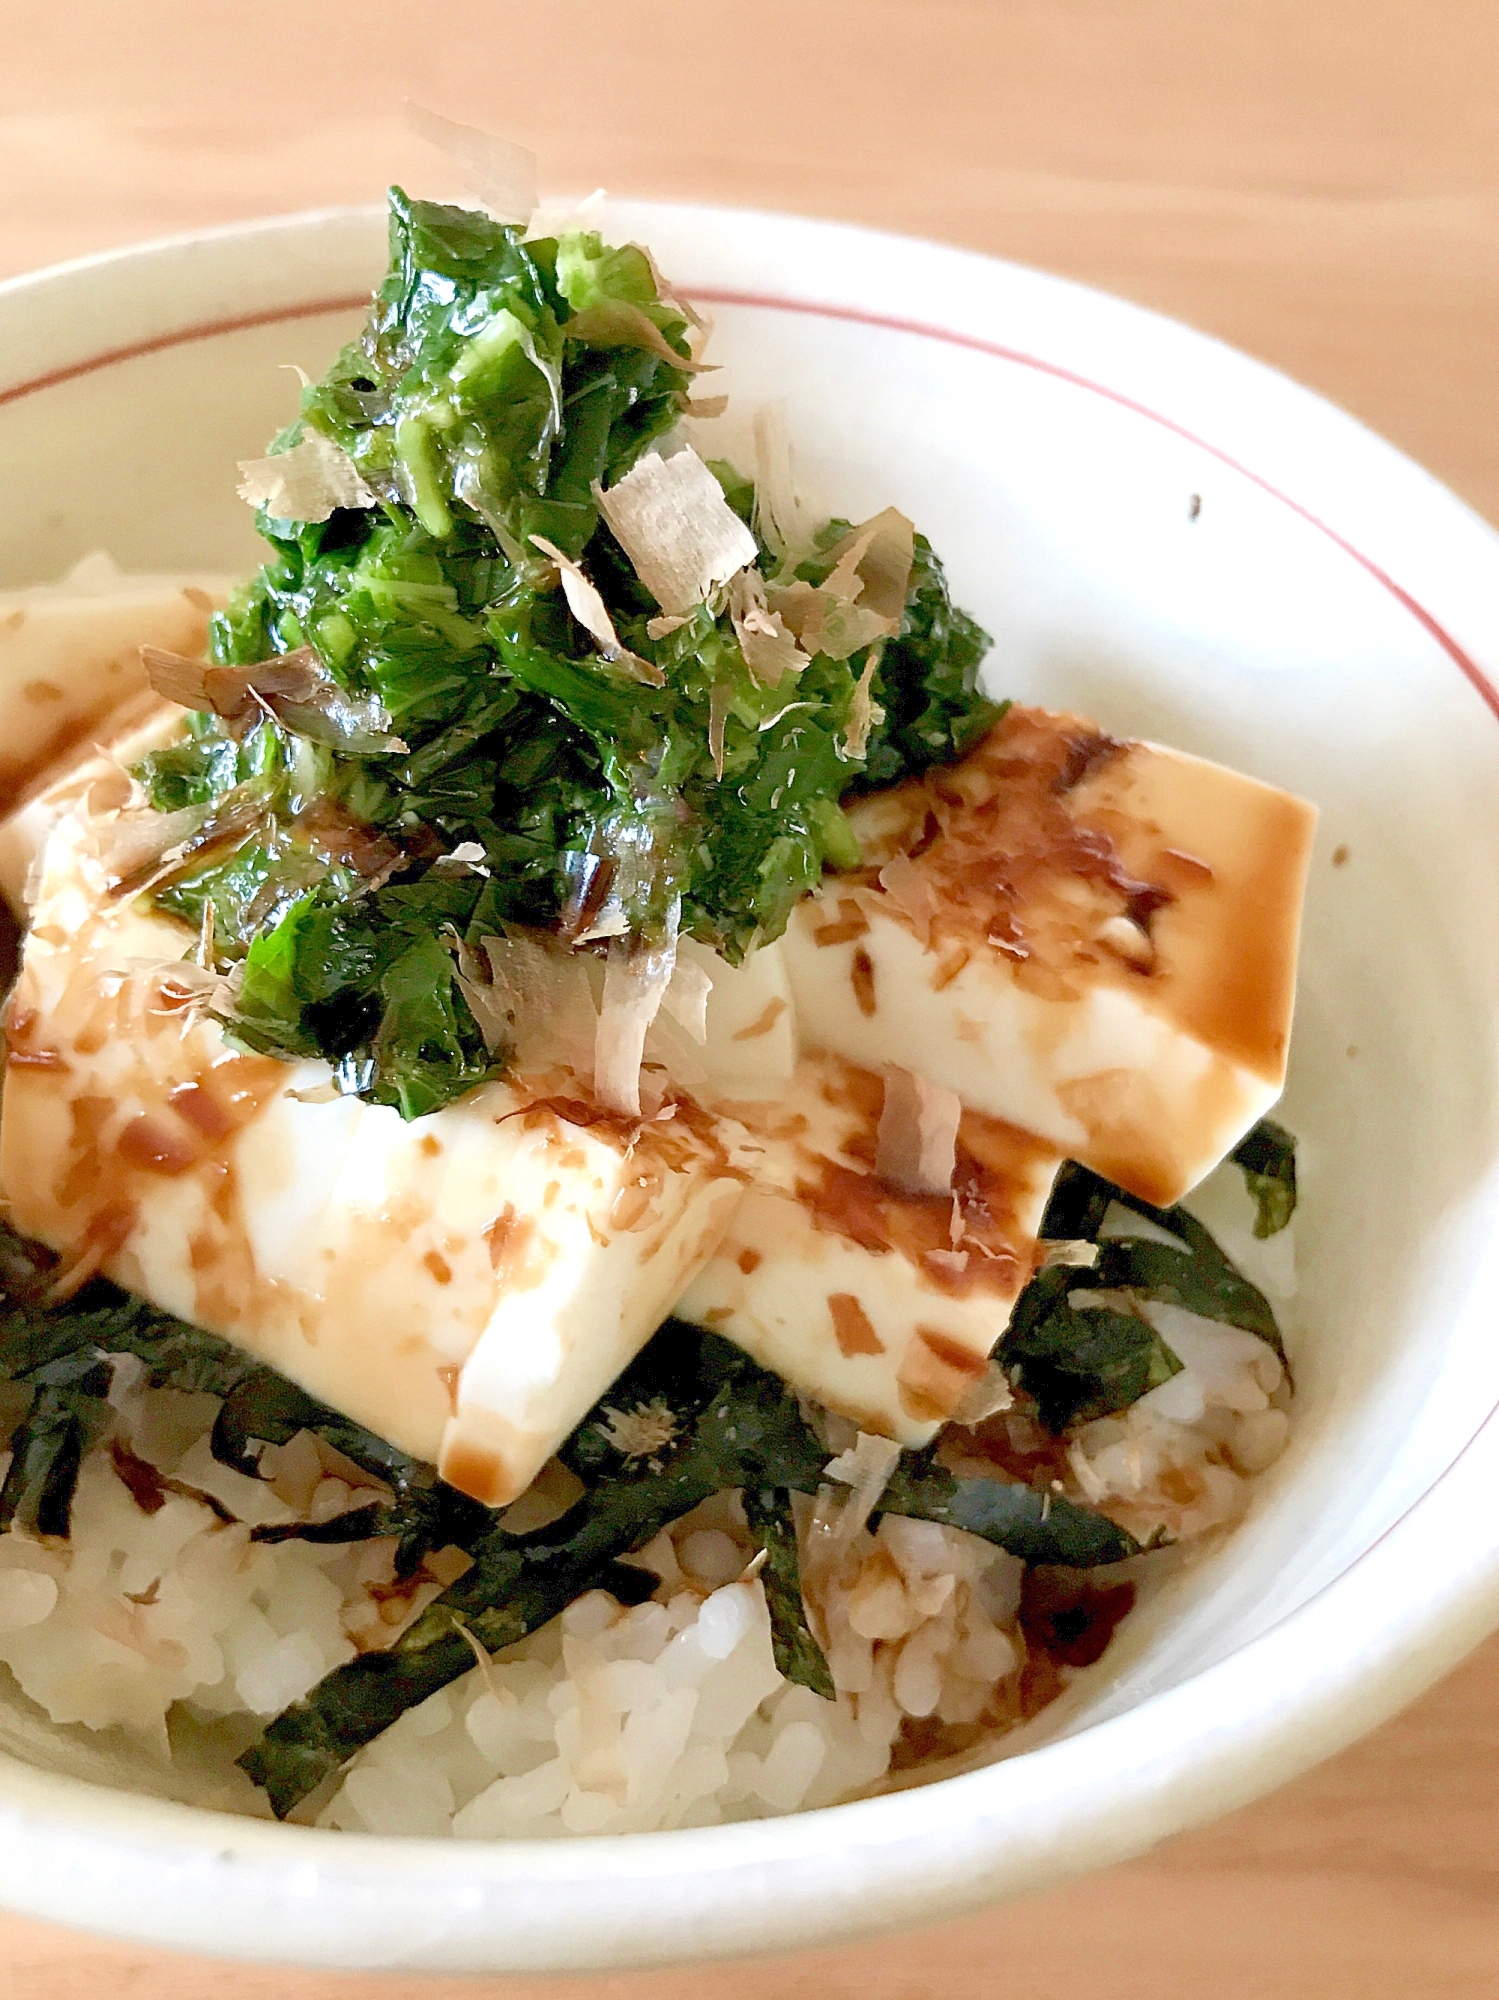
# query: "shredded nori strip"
65 1354
732 1425
797 1653
1081 1363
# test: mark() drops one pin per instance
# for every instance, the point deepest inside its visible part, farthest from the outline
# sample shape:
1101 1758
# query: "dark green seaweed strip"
1039 1527
1198 1277
1082 1362
692 1416
797 1653
63 1352
69 1414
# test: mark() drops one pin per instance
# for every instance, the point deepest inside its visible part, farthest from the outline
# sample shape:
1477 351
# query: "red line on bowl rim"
158 343
975 343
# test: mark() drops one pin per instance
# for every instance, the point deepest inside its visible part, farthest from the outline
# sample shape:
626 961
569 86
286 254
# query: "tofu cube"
465 1285
883 1305
1093 940
748 1047
70 656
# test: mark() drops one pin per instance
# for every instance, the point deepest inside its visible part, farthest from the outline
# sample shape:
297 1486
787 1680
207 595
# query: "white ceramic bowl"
1324 615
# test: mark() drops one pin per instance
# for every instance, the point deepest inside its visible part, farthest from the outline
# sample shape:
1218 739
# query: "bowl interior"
1126 568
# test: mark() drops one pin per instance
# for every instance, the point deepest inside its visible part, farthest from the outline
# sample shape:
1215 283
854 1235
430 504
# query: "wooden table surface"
1314 180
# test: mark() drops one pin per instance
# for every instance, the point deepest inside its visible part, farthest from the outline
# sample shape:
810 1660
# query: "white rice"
674 1714
173 1625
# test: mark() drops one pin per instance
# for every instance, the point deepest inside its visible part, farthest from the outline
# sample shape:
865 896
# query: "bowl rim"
188 1876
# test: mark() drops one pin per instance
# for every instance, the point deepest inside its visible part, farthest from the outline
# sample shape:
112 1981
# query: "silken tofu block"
89 776
70 655
465 1285
1094 940
883 1305
748 1051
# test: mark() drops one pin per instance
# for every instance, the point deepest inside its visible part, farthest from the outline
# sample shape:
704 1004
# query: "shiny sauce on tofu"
111 1155
968 1241
1078 859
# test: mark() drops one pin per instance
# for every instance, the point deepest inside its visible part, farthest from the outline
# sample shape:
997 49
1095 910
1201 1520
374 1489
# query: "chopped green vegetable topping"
495 387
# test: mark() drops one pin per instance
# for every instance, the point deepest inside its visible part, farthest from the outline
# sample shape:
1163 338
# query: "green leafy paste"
495 387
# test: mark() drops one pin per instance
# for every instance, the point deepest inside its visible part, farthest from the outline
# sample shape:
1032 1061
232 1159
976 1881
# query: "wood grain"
1314 180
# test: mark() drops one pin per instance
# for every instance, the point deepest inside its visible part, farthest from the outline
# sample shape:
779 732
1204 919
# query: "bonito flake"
769 649
306 483
591 612
783 513
918 1134
671 519
618 323
500 173
863 597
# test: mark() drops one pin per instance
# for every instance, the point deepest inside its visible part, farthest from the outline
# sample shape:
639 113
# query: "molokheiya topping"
769 649
295 688
863 597
670 517
525 340
591 612
782 513
305 483
916 1148
500 173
